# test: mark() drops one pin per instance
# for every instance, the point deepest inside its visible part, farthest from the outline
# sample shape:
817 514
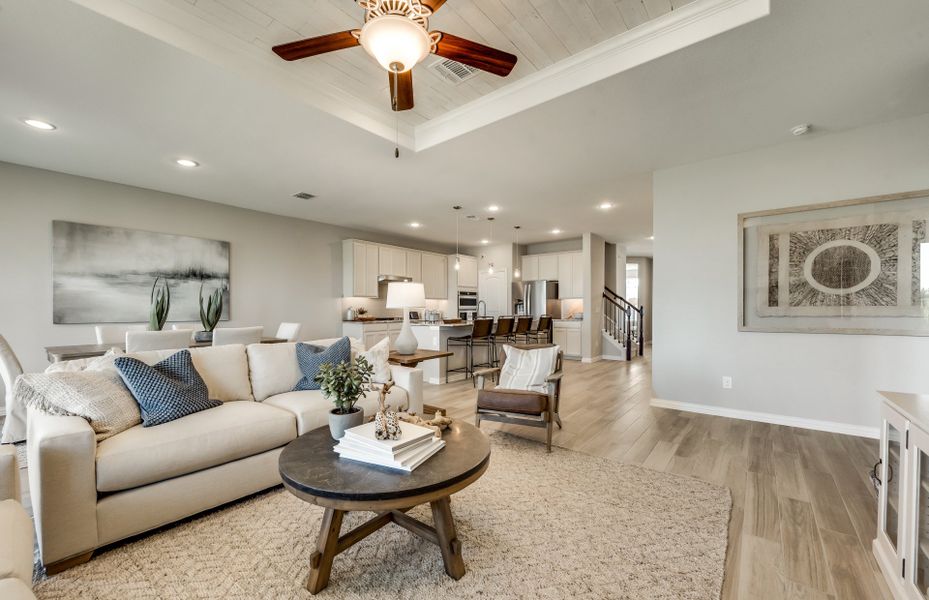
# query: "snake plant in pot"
211 311
344 383
160 304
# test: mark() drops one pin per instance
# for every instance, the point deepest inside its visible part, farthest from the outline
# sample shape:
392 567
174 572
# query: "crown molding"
692 23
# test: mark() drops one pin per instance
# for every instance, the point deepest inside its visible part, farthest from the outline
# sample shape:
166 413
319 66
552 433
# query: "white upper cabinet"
577 272
392 261
414 265
467 275
434 276
359 269
548 266
530 268
565 276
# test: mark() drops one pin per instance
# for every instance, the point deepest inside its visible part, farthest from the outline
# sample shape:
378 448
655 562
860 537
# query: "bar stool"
542 334
503 333
479 336
523 324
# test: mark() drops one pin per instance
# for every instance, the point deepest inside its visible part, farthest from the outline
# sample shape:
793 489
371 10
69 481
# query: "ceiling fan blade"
433 4
475 55
316 45
401 90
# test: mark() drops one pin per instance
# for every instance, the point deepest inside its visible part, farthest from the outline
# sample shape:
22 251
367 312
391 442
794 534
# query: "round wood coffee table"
312 471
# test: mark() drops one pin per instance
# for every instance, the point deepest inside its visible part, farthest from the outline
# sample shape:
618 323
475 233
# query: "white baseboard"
761 417
592 359
613 357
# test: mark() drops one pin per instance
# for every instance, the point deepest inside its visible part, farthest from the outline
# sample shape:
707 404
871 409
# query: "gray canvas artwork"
105 274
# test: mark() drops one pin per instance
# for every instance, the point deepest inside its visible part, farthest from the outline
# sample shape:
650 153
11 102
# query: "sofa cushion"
231 431
272 368
311 408
16 540
15 589
224 370
99 397
166 391
311 358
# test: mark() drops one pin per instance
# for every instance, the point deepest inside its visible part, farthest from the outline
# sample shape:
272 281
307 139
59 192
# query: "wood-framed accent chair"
521 407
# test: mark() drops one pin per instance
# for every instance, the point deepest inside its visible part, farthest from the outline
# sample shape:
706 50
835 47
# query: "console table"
74 352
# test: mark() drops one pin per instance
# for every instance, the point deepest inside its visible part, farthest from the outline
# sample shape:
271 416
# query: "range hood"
390 278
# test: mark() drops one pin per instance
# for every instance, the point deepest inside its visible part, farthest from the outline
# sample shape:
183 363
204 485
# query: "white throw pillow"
98 396
377 356
224 369
527 369
81 364
273 369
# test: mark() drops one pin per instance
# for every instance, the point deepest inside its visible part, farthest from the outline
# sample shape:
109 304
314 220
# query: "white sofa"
16 537
87 494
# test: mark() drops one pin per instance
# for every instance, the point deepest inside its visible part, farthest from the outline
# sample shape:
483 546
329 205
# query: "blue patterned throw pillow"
311 358
166 391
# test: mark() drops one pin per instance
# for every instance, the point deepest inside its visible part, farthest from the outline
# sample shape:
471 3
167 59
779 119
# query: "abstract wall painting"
105 274
852 266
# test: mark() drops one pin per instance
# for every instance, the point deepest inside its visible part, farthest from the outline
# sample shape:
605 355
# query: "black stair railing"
623 321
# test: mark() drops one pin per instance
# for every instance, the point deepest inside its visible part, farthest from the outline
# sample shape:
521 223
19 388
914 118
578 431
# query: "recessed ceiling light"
651 237
37 124
556 231
800 129
186 162
605 205
485 241
416 224
493 208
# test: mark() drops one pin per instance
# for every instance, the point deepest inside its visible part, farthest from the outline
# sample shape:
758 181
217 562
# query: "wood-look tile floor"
804 512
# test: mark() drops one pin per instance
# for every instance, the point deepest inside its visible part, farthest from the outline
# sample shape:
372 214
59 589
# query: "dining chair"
116 334
137 341
289 331
14 427
193 328
237 335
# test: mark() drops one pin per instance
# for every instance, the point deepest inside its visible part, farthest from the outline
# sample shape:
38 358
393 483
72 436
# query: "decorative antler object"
437 423
386 426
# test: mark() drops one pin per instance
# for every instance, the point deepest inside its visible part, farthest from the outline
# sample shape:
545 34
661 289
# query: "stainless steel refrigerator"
541 298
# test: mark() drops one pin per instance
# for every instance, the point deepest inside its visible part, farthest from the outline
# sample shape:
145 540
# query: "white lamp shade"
404 294
394 39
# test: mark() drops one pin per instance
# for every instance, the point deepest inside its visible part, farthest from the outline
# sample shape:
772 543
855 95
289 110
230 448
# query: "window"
632 283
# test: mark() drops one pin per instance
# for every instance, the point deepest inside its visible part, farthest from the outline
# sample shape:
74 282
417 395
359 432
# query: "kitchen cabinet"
370 333
577 274
530 268
359 269
392 261
434 276
567 335
467 275
414 265
548 266
570 275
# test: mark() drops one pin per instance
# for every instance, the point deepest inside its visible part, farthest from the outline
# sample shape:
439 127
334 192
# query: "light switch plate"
727 382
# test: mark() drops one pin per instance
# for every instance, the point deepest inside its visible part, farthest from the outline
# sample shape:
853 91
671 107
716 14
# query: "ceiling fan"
396 33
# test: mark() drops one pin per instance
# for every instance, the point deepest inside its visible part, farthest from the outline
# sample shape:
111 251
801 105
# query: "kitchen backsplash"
376 307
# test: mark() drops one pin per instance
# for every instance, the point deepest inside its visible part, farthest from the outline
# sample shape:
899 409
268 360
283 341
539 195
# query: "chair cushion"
311 358
528 369
234 430
166 391
311 408
16 540
513 401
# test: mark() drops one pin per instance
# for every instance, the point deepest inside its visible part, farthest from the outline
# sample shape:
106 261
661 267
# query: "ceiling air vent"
304 195
453 71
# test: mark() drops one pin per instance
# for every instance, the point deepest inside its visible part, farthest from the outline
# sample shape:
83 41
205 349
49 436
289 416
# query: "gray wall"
645 291
282 269
811 376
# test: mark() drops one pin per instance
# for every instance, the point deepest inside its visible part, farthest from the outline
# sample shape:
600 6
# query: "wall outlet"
727 382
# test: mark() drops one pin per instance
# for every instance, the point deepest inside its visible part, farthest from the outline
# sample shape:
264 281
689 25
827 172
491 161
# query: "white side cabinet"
371 333
359 269
902 543
566 333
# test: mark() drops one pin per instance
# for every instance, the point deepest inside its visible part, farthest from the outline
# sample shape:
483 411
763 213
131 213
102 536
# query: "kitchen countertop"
419 322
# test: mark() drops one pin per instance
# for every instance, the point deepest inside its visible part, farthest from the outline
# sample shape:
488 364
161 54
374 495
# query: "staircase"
622 327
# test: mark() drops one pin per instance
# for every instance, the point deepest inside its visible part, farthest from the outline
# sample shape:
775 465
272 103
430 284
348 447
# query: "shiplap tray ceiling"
562 45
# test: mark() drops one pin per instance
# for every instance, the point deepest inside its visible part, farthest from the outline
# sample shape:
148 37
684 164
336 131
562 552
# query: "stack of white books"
413 448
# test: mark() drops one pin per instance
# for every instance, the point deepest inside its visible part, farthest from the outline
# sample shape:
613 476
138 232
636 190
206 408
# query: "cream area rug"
536 525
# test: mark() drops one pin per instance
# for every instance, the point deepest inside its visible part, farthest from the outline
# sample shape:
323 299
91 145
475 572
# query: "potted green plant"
344 383
210 314
160 305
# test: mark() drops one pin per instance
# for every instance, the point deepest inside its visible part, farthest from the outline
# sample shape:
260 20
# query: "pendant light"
516 272
457 239
490 264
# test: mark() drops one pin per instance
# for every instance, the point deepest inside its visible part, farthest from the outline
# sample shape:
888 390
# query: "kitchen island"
433 336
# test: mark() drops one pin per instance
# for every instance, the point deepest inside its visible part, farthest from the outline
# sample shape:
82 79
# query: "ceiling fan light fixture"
396 42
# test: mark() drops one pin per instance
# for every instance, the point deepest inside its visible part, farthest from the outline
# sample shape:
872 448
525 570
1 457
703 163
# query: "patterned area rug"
564 525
